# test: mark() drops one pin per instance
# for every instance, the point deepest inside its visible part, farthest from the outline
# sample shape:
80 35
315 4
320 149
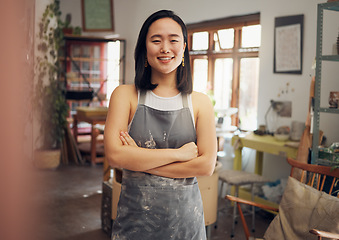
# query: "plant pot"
67 30
47 159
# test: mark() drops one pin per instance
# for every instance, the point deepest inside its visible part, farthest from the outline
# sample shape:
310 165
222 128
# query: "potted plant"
66 26
50 104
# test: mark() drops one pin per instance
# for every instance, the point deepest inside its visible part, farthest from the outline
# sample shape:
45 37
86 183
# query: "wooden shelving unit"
320 58
87 66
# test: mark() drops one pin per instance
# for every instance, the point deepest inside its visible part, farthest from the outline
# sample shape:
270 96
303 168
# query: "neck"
167 86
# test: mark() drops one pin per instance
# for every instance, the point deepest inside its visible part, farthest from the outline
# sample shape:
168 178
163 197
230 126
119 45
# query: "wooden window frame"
212 26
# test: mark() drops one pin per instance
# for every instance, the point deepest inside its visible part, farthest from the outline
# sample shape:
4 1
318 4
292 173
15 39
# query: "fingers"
188 151
123 140
126 139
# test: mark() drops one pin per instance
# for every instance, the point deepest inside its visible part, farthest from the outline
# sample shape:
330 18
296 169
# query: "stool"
239 178
208 186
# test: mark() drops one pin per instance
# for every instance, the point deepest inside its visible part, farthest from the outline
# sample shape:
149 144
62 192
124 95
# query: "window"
98 63
225 61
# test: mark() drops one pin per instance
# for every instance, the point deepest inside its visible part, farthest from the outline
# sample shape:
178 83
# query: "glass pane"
86 51
251 36
223 73
96 66
76 51
200 67
226 38
75 66
200 41
85 66
216 42
113 67
96 52
248 93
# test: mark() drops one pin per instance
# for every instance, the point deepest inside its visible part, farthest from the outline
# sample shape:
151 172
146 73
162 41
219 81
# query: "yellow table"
262 144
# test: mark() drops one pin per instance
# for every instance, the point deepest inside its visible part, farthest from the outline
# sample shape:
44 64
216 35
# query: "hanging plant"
49 100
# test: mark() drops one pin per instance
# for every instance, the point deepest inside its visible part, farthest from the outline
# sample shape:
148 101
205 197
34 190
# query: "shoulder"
199 98
201 103
124 95
126 91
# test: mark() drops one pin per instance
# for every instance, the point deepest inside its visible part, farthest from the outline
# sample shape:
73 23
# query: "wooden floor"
70 197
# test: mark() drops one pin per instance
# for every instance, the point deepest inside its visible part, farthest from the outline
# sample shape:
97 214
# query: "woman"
170 140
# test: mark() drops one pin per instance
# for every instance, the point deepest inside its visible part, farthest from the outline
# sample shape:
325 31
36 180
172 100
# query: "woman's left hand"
127 140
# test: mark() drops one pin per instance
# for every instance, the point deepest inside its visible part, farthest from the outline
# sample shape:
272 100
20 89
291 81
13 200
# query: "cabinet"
320 60
93 67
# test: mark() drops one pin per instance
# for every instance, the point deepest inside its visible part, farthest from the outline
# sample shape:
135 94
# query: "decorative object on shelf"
333 99
50 104
288 44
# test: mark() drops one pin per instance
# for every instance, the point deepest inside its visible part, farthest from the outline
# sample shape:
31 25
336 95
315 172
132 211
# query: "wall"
130 14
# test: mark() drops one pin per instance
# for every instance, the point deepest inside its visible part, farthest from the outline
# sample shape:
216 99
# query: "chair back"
322 178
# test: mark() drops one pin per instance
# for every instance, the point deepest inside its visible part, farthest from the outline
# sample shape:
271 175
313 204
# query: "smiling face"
165 46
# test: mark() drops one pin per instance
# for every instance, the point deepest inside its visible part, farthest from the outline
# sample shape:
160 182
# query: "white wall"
130 14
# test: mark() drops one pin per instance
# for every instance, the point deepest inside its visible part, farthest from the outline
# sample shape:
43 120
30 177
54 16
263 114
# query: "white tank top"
167 103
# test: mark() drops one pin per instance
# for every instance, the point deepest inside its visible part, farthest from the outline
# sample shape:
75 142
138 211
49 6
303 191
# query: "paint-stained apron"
153 207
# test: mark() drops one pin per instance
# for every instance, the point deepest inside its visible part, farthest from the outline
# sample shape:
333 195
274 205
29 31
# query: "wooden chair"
311 175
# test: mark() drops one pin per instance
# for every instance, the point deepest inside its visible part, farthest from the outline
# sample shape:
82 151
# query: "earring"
183 61
146 63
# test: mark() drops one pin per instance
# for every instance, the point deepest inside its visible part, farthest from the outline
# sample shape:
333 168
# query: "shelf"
85 59
90 39
325 162
91 80
333 6
330 58
329 110
81 80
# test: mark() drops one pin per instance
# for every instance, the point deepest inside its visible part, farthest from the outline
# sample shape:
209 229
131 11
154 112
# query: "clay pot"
333 99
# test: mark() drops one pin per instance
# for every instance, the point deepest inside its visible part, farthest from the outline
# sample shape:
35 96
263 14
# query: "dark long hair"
142 78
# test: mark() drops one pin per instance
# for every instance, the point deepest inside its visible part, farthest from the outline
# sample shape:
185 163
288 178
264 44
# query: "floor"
71 199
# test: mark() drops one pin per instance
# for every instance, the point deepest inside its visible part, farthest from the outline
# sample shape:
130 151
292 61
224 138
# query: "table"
222 131
93 116
262 144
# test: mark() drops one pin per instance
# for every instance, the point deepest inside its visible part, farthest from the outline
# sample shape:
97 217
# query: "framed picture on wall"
97 15
288 44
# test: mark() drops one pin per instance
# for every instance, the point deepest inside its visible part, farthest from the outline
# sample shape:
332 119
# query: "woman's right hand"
188 151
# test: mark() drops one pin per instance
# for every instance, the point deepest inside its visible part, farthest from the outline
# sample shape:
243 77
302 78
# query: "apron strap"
184 100
142 97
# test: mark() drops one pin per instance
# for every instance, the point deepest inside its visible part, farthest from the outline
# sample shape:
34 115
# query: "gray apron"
153 207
